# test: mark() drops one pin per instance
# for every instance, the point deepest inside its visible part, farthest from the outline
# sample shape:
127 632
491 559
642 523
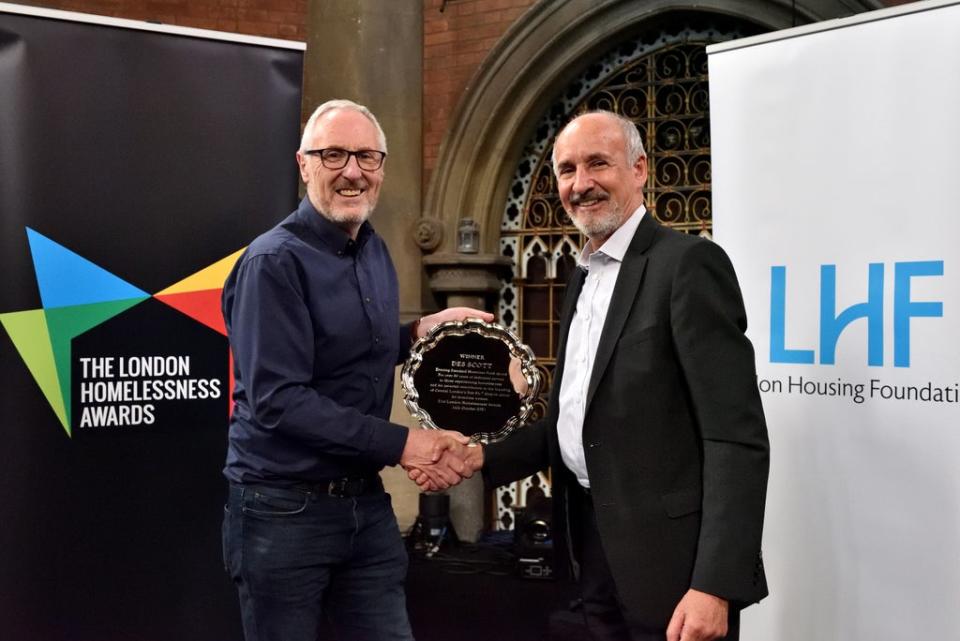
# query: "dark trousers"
298 556
602 609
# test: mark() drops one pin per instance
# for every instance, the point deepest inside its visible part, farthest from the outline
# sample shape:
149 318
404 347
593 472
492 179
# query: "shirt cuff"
387 443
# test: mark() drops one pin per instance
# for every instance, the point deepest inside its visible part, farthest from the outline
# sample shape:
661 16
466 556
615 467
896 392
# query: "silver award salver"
458 377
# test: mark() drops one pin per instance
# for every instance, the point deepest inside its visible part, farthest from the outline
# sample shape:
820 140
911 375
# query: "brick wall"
457 35
286 19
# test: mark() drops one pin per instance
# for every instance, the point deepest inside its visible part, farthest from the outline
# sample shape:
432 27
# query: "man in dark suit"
654 429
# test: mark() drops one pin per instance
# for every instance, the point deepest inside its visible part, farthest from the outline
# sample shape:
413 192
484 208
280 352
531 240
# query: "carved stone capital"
462 278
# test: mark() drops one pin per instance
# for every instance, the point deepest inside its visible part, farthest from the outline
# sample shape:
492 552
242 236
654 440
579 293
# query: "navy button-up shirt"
313 322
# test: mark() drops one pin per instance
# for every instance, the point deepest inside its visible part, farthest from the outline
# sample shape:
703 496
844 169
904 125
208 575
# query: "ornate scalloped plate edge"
517 350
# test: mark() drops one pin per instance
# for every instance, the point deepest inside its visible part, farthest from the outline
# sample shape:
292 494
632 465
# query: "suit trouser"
602 608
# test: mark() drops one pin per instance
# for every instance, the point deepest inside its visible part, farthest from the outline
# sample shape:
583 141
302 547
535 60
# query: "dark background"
153 156
475 593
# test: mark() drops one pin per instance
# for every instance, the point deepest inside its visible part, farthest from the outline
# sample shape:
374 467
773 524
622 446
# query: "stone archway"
549 46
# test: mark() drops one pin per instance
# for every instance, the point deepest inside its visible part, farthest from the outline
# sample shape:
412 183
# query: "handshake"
438 459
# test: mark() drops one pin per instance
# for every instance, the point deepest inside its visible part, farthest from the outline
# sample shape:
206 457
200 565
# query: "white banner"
835 165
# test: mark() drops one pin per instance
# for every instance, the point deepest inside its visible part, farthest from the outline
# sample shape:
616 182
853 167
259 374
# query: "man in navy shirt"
312 315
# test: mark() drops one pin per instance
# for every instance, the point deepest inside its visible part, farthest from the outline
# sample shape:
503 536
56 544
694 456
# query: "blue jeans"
297 556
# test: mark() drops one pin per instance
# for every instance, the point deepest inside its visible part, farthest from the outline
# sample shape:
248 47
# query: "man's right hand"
465 459
437 455
450 314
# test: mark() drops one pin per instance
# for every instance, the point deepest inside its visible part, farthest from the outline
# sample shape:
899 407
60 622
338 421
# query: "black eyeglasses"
336 158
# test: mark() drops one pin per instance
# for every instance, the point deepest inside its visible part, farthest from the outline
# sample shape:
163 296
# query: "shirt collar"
329 232
616 246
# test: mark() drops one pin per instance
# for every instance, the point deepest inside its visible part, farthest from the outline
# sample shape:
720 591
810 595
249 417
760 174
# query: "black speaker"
434 512
533 539
432 528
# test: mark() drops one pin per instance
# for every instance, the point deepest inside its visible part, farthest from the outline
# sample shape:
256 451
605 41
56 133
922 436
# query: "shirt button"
376 379
367 299
376 339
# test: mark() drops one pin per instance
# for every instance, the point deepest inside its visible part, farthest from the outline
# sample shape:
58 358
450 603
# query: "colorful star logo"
77 295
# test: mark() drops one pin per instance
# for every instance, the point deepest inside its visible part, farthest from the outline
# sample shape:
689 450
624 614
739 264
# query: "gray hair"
332 105
631 136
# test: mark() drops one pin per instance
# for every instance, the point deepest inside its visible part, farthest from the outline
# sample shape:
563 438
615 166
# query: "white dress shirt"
602 267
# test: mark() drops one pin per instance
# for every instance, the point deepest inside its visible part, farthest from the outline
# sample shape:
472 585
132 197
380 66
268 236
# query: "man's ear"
640 169
302 165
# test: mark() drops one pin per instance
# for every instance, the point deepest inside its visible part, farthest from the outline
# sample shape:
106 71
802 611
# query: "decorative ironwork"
661 85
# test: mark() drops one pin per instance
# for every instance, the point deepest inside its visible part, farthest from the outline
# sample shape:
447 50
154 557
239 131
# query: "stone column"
371 52
470 280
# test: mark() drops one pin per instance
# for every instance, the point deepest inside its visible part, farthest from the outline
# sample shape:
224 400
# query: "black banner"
134 165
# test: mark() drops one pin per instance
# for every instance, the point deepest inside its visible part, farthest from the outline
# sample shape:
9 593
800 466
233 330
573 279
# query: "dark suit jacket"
674 434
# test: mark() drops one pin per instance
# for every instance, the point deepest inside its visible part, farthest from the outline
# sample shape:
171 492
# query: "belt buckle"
335 488
345 488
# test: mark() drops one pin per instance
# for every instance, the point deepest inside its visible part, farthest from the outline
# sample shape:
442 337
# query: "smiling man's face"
598 186
348 195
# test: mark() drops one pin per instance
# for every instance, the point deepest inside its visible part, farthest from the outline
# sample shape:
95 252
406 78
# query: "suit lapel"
622 300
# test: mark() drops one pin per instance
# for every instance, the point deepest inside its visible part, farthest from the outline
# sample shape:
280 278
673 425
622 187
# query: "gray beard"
345 218
598 228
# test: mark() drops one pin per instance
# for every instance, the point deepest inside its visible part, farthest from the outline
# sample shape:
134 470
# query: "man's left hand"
450 314
425 450
464 459
698 617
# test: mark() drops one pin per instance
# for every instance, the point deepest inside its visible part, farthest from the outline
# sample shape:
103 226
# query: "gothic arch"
544 50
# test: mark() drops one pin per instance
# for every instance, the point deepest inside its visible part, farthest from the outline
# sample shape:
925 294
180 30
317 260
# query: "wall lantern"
468 236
